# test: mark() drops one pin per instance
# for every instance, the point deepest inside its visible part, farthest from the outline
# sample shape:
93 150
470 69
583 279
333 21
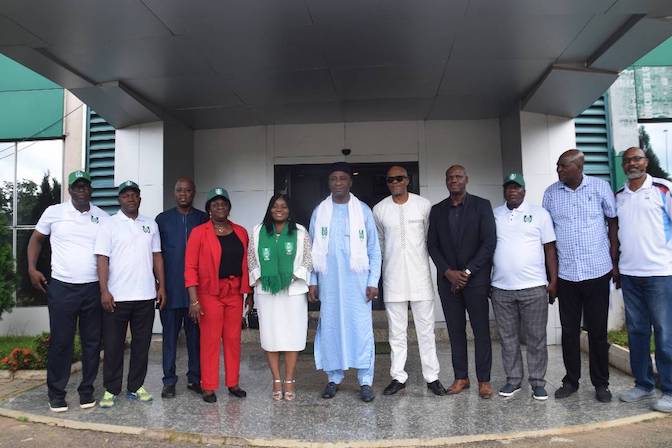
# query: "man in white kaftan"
402 220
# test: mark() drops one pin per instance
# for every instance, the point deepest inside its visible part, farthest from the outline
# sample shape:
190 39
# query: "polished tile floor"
413 413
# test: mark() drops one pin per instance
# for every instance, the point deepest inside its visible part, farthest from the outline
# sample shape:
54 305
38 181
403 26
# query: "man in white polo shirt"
520 285
644 208
130 268
73 294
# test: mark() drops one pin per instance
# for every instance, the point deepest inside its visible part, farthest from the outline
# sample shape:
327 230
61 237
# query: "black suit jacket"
476 241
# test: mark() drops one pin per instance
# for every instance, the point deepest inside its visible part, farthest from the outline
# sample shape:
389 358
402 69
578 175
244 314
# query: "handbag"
253 319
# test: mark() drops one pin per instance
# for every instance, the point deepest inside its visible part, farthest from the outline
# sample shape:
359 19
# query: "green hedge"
29 352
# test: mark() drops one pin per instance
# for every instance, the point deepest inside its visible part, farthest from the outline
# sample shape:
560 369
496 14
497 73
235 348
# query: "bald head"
396 170
185 190
570 168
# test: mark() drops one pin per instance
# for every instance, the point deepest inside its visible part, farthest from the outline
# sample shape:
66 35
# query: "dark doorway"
307 185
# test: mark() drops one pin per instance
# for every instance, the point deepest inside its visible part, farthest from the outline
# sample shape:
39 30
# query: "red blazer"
202 257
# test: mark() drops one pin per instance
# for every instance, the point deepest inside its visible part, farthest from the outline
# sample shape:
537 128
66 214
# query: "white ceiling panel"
211 118
467 107
296 113
388 82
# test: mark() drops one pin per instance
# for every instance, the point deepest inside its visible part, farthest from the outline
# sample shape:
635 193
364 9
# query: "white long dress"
283 317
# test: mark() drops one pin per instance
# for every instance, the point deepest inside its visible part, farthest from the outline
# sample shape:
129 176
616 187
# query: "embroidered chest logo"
95 219
146 229
527 218
324 232
266 253
361 234
289 248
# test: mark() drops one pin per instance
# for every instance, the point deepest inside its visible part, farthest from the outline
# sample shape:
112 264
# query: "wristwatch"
467 271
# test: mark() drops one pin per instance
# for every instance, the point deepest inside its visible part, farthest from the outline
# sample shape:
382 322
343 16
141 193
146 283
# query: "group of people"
201 269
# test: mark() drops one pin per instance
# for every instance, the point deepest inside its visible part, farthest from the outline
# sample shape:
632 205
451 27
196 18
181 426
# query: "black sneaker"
196 387
565 391
168 391
86 401
539 393
366 394
330 390
58 405
508 390
602 394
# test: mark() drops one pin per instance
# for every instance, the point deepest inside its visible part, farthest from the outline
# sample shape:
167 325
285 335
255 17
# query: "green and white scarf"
276 254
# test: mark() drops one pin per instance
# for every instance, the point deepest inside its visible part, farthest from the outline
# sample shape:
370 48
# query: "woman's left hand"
249 302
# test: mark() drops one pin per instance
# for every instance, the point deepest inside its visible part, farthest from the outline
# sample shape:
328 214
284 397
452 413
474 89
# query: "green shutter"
100 161
593 138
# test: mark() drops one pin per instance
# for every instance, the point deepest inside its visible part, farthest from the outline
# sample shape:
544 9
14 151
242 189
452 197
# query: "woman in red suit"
216 277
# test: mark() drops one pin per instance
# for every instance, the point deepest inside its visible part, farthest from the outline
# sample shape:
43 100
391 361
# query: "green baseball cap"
78 175
515 178
218 192
129 184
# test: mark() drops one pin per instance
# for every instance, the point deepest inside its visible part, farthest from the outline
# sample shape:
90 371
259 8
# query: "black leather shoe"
436 387
602 394
237 392
565 391
210 398
394 387
195 387
330 390
366 394
168 391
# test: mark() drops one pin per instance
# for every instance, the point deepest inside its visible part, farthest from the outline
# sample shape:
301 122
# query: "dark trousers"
71 305
140 315
590 298
473 300
173 320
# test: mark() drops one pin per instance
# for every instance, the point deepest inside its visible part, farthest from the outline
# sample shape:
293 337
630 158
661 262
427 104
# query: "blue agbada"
344 336
174 228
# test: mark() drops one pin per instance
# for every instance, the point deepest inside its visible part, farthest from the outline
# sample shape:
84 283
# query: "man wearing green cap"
524 254
130 268
73 293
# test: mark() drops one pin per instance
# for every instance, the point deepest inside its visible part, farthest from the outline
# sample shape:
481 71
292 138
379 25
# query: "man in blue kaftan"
347 262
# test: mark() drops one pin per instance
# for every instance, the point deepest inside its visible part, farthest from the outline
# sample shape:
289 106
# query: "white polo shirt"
130 245
645 228
72 235
519 261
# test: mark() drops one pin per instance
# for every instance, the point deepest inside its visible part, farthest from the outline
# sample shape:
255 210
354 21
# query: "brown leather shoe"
457 387
484 390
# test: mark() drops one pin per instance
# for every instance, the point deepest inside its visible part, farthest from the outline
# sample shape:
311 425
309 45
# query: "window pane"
6 182
26 295
38 178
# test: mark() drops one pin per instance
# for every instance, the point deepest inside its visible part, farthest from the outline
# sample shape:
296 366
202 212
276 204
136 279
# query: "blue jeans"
648 303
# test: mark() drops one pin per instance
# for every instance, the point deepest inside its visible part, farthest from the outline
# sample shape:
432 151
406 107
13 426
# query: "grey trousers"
525 312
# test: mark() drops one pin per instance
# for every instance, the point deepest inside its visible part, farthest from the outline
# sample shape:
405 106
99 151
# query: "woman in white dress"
280 264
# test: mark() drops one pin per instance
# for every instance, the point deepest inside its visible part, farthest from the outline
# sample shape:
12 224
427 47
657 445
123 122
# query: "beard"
635 174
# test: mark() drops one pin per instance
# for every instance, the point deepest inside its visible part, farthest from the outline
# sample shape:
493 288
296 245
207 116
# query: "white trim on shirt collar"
122 216
523 207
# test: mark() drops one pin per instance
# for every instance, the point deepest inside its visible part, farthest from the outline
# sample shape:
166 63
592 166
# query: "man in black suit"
461 241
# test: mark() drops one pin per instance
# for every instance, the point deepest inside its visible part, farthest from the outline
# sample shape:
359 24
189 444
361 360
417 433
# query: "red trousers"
221 322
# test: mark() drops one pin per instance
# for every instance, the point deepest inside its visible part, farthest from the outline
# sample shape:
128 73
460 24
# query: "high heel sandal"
290 395
277 394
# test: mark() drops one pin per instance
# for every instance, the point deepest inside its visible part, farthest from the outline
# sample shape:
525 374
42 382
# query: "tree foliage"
8 276
654 168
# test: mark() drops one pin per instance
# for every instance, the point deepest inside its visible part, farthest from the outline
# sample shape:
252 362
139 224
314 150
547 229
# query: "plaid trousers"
522 312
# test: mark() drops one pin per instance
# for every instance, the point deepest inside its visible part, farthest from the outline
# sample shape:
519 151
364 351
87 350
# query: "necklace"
219 228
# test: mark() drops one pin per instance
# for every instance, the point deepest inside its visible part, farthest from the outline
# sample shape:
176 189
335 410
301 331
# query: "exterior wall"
178 158
73 130
242 159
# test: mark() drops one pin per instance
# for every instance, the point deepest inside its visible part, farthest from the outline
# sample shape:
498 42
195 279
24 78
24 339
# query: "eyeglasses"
392 179
633 159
